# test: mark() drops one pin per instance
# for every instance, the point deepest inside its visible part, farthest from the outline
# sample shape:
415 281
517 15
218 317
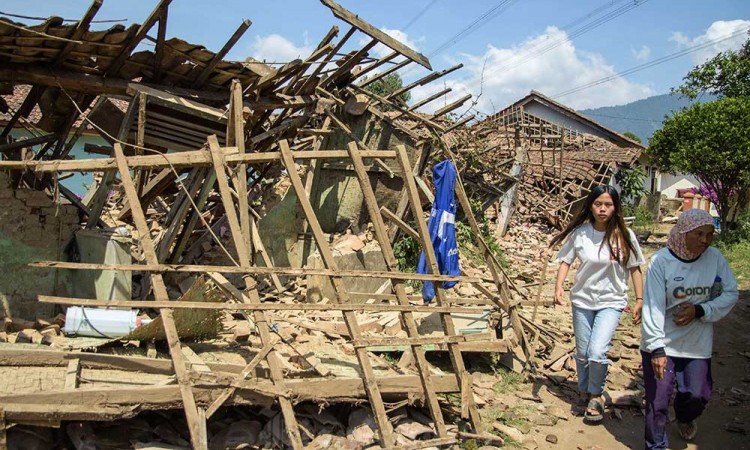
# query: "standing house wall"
32 227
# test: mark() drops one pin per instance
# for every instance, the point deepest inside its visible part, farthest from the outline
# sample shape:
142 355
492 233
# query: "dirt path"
725 425
729 408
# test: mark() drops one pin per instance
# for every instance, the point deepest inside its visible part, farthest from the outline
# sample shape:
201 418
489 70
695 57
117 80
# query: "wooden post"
462 376
160 294
373 392
423 366
261 321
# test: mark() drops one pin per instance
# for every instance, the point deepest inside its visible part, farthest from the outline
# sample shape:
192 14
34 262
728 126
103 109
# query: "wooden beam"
32 98
160 293
385 73
160 38
178 160
375 65
412 330
355 21
451 106
81 27
179 103
262 322
195 268
422 81
462 376
129 46
256 307
45 76
373 393
246 372
203 77
30 142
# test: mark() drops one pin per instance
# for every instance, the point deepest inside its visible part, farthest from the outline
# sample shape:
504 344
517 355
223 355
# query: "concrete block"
368 258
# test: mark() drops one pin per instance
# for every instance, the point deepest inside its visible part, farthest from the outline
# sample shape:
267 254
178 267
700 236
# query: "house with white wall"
546 108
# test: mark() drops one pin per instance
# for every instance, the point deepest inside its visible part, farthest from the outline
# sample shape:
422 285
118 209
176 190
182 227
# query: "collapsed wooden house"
190 161
516 161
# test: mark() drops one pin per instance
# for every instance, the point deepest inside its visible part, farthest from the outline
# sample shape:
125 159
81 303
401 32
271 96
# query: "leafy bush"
630 179
643 219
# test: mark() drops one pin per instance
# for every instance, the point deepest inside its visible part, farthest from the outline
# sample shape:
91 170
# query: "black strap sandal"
597 406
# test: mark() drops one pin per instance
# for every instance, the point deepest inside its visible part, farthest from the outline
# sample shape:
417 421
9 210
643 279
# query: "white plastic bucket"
94 322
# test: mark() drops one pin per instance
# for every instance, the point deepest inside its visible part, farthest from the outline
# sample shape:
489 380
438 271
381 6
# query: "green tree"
726 75
712 142
387 86
632 136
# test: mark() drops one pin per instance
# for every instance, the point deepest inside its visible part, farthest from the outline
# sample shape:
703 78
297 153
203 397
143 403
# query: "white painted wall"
551 115
668 183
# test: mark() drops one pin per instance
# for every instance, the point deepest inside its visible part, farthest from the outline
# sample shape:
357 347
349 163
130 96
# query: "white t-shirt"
601 282
671 282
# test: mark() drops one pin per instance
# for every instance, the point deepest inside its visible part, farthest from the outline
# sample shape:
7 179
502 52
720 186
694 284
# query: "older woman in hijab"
689 286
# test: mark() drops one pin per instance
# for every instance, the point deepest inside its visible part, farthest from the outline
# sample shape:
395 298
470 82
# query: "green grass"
738 256
509 381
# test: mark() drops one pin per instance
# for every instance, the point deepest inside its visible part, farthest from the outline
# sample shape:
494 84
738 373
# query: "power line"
542 48
419 15
478 22
621 117
649 64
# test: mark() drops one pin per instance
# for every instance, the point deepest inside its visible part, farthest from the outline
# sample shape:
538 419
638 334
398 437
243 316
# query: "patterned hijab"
688 221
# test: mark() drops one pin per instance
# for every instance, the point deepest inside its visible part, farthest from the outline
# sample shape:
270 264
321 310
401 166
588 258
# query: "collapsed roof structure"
236 184
200 141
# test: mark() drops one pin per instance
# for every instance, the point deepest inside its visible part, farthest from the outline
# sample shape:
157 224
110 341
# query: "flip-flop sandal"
597 406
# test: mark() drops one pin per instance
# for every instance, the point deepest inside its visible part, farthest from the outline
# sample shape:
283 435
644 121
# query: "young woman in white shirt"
608 252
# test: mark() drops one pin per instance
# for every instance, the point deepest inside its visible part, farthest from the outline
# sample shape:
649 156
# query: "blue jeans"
593 330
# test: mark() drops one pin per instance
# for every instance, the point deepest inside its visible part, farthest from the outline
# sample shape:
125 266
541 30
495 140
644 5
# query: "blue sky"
498 55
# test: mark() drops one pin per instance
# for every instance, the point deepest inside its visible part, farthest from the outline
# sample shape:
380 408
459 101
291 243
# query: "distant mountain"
641 117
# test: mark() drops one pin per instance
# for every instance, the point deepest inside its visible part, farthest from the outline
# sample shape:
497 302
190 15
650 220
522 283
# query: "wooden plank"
455 354
422 81
236 137
373 393
312 79
246 372
182 159
450 107
30 142
130 45
193 268
81 28
408 318
203 77
179 103
3 434
411 114
385 73
350 307
160 293
155 186
375 65
403 226
355 21
179 210
253 299
71 374
160 38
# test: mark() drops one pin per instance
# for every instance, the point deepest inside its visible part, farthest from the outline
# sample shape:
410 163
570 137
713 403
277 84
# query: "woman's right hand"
559 296
659 365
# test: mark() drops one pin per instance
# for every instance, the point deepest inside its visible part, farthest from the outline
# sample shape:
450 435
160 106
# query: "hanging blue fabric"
442 228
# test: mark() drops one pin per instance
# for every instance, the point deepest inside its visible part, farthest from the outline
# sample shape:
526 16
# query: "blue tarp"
442 228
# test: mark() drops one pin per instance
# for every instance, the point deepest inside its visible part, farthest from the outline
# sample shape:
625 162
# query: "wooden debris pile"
205 155
548 168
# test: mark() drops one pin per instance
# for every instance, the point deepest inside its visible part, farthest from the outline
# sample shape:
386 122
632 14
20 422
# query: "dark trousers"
693 377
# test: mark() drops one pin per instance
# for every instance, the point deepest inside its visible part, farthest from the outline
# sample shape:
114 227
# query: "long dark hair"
616 235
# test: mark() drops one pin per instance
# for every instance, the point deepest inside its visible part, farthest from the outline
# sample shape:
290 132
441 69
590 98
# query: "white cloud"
277 48
642 54
717 30
508 74
381 50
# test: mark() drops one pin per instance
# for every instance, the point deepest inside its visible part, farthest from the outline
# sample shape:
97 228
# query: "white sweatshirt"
601 282
671 282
